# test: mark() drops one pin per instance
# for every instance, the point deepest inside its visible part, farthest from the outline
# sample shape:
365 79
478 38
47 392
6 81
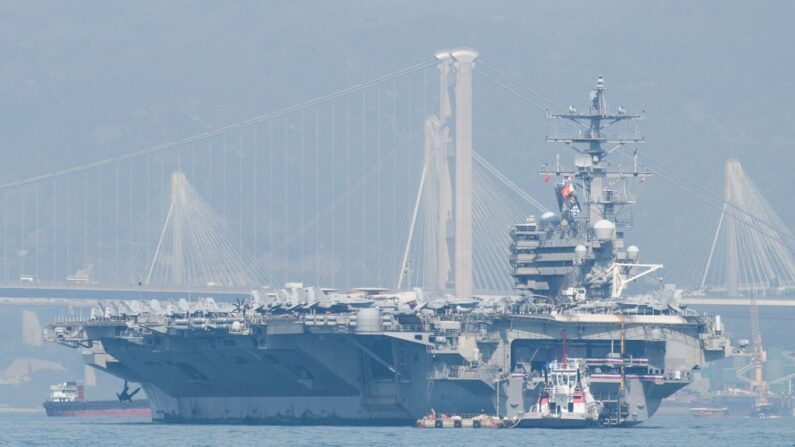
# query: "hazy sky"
83 81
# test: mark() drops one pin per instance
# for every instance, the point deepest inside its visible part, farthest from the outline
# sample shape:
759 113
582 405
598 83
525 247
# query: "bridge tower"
759 246
464 63
450 211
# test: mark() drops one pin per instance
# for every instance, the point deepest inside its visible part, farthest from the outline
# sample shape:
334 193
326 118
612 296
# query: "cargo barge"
68 399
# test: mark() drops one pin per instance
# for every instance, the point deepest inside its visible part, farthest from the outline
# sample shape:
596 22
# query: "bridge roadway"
738 301
90 294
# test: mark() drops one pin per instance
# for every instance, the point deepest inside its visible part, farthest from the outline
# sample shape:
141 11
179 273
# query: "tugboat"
566 400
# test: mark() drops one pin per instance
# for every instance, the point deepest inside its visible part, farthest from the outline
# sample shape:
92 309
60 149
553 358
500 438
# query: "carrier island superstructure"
307 355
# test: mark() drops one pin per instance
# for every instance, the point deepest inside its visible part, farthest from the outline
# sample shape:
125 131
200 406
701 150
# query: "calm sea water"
38 430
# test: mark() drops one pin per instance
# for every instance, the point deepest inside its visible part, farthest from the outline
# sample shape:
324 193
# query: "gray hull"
552 422
269 411
294 374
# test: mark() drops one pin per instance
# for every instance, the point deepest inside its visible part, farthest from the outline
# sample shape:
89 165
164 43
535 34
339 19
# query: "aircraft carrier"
303 355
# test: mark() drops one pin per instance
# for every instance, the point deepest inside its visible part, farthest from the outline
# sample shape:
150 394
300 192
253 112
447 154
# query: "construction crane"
788 355
736 189
762 406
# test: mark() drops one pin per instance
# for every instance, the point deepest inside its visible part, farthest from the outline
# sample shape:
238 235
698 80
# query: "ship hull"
270 410
331 411
555 422
300 375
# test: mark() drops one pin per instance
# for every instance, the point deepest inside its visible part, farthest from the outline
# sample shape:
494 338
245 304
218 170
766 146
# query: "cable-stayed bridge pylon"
752 251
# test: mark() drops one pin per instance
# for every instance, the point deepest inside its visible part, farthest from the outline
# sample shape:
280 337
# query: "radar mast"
606 194
581 255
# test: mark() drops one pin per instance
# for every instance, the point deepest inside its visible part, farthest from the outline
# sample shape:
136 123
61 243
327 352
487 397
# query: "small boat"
566 400
709 412
763 409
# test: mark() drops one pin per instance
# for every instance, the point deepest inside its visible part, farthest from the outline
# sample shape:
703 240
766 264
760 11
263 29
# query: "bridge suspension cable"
733 210
276 181
226 129
509 183
507 79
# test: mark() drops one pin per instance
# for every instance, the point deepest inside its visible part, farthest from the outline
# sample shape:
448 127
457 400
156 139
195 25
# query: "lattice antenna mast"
606 193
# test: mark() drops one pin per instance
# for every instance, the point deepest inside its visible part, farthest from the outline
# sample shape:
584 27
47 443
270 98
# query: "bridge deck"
19 293
738 301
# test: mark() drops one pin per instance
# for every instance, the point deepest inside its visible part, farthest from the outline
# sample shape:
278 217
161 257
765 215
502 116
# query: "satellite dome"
580 251
633 251
604 230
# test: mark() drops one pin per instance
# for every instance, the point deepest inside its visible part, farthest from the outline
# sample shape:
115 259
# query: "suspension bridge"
377 185
351 189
